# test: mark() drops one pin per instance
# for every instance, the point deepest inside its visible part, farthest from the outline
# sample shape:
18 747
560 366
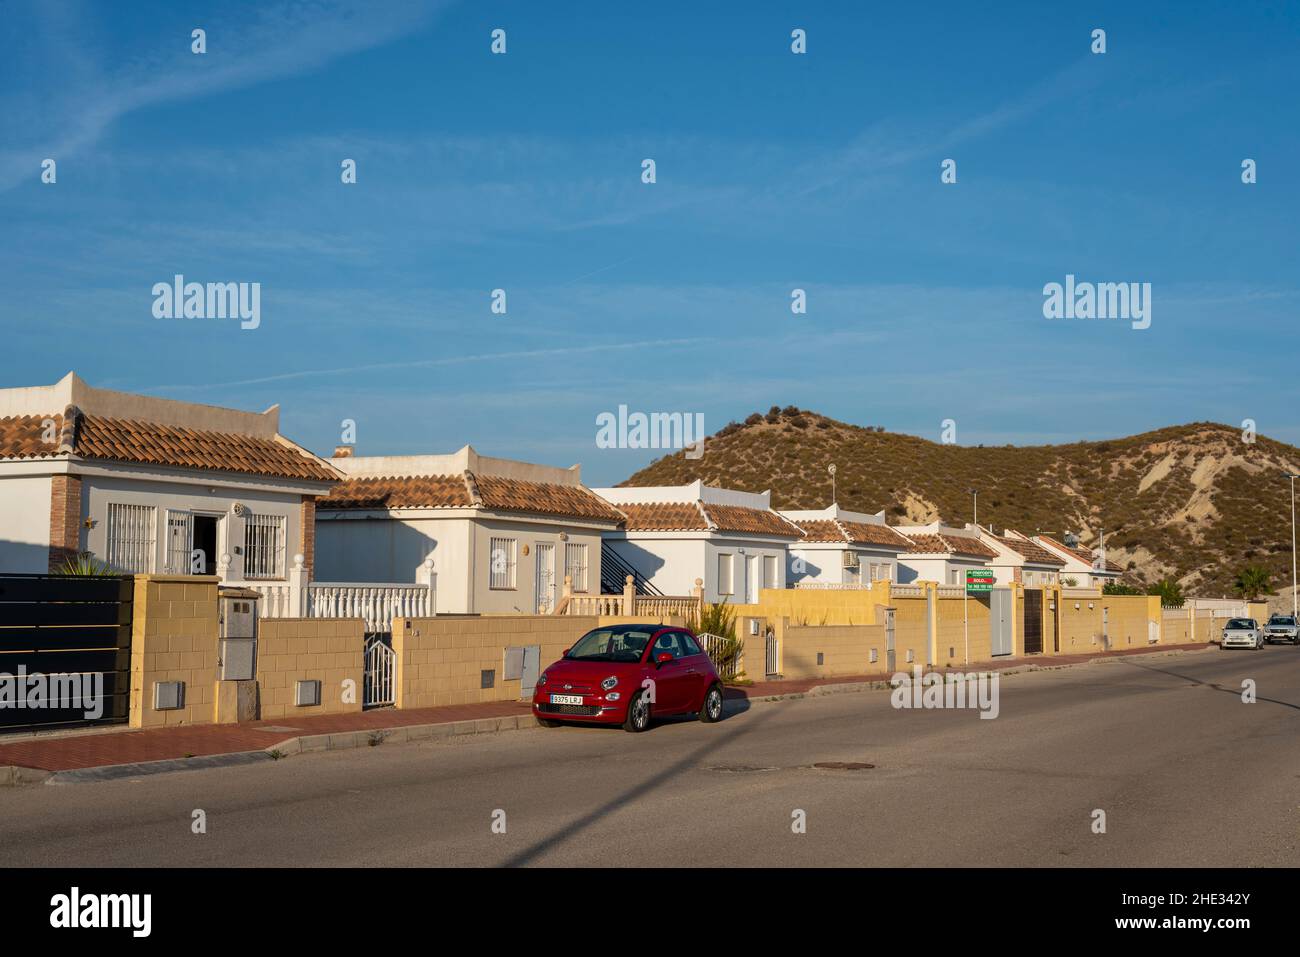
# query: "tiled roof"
1031 551
466 490
663 517
859 533
516 495
821 530
952 544
757 521
419 491
23 437
869 533
1085 555
151 443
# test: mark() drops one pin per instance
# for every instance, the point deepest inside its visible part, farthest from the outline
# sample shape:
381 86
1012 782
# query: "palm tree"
1252 581
1170 592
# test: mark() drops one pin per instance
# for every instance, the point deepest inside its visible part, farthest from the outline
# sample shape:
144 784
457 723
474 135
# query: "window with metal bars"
575 565
501 563
264 546
131 538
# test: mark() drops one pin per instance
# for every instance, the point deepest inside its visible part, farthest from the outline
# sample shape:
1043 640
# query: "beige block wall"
440 660
951 630
845 650
174 638
816 606
328 650
911 632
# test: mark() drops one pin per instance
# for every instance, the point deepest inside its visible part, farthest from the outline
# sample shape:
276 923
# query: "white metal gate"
773 662
544 586
381 669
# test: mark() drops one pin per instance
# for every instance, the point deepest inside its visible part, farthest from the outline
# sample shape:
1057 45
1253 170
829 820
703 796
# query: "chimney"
343 451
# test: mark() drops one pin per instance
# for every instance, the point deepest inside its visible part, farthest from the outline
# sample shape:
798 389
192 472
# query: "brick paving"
64 752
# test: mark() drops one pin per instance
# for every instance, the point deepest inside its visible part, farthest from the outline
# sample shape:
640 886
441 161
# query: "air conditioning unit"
850 559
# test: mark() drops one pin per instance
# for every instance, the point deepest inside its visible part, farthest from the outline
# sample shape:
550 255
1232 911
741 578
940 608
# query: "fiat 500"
625 674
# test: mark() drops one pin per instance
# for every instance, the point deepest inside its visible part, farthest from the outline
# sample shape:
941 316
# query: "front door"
751 579
545 578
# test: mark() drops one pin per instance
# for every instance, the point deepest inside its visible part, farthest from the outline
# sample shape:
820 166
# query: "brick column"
308 535
65 519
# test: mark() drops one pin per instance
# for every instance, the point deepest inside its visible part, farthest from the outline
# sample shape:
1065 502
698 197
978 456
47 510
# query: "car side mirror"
663 658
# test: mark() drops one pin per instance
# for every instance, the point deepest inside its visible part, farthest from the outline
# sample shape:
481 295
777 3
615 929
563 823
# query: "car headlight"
541 679
608 683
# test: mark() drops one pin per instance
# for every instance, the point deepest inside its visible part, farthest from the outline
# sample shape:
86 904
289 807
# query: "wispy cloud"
79 105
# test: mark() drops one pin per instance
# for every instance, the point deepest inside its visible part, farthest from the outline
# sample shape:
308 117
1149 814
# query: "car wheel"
711 710
638 713
548 723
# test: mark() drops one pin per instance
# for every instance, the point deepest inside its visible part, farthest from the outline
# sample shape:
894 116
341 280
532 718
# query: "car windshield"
1281 620
1241 623
610 644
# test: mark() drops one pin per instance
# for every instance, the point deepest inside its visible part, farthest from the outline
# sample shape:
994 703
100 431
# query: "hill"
1192 502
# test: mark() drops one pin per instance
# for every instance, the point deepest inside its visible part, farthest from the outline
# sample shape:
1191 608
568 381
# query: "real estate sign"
979 580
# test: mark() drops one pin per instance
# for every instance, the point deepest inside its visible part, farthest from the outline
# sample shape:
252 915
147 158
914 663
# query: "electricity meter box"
237 634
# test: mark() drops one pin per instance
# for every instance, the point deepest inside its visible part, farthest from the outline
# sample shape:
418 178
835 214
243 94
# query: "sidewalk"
100 748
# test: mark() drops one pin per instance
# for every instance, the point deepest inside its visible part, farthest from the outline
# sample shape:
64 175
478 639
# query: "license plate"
566 699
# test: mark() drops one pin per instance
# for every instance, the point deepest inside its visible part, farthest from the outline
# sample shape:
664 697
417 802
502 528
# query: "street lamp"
1295 604
831 470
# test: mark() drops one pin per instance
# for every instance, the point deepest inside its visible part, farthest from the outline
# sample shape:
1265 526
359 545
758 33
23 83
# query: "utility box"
237 634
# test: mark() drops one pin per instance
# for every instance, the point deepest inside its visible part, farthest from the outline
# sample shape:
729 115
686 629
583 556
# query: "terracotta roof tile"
419 491
23 437
1031 551
820 530
756 521
663 517
151 443
858 533
517 495
953 544
1085 555
869 533
467 490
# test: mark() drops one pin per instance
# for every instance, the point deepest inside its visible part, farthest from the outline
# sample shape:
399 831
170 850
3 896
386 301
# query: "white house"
1021 560
840 548
673 535
941 553
1083 566
152 485
498 535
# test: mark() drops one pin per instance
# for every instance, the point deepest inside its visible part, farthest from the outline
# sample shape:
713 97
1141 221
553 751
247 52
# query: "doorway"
544 583
203 550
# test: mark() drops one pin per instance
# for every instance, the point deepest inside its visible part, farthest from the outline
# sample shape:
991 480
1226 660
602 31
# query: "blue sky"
775 171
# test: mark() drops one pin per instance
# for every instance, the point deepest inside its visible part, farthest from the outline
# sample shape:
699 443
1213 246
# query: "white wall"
99 491
25 523
670 564
823 563
911 569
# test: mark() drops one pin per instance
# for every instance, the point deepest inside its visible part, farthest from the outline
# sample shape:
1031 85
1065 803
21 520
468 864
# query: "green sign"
979 580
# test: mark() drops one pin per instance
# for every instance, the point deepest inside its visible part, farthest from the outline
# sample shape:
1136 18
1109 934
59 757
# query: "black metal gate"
1032 626
65 651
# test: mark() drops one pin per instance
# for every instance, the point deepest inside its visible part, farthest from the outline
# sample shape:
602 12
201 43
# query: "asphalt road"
1187 774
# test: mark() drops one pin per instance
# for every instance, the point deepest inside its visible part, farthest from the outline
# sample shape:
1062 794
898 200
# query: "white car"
1242 633
1282 628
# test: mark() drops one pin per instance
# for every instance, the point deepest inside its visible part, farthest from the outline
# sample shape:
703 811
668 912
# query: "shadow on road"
727 735
1235 692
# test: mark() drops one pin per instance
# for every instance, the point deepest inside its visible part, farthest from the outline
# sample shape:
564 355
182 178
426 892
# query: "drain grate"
843 766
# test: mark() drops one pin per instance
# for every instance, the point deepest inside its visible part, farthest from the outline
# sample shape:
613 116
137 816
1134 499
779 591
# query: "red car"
622 674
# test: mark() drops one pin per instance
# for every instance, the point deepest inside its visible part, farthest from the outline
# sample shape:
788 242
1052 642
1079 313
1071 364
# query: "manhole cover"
843 766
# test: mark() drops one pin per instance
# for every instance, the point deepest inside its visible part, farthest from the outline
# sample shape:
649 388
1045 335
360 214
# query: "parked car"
1242 633
1282 628
625 674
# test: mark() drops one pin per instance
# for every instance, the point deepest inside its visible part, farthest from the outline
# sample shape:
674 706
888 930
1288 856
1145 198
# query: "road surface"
1186 773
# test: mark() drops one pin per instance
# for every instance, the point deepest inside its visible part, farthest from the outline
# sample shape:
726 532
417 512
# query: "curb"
13 775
